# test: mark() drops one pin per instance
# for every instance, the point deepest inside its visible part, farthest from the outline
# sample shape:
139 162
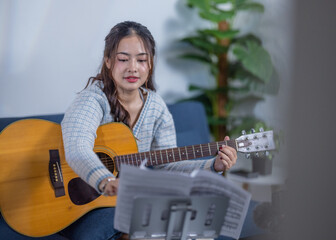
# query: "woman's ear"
108 62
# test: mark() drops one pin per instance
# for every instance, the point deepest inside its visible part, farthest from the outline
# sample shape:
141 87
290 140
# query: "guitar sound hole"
106 160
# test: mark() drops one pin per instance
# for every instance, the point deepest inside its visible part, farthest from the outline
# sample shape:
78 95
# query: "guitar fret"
144 157
201 150
179 153
128 157
161 156
147 155
167 159
209 148
186 150
173 155
138 159
141 157
194 151
155 157
150 157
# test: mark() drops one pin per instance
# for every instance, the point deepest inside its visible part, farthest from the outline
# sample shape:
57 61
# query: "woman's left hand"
226 157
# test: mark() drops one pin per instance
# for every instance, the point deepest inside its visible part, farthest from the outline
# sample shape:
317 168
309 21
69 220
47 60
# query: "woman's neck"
129 98
132 103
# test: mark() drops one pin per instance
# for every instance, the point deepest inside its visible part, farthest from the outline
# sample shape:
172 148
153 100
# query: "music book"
135 182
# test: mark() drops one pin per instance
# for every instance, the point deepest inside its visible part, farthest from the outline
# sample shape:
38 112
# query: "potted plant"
238 63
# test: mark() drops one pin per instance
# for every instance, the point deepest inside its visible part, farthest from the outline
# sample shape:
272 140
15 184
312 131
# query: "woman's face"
131 64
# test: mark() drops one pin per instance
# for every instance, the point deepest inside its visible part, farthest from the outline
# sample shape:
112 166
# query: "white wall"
48 49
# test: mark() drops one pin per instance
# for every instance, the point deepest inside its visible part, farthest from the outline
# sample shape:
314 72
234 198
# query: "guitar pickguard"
80 192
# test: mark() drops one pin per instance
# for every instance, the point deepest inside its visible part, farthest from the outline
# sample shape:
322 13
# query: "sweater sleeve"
79 128
164 132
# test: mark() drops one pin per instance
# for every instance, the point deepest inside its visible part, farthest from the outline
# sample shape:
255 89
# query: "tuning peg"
247 155
261 129
243 132
252 130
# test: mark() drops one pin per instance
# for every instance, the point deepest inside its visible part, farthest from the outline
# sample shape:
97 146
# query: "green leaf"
205 45
208 91
220 34
249 98
201 4
214 69
196 88
250 6
197 57
237 71
220 1
255 59
216 17
245 38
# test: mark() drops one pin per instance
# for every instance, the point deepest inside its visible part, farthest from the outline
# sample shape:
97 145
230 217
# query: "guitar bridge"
55 173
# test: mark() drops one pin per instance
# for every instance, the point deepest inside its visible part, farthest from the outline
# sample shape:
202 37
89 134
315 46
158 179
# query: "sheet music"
208 183
146 182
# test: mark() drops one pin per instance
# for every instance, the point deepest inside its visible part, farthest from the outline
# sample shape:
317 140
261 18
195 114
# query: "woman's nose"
132 65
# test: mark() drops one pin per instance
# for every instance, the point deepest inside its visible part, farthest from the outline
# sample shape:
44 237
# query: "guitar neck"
177 154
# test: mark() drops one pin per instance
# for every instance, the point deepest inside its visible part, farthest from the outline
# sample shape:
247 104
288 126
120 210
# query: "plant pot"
262 165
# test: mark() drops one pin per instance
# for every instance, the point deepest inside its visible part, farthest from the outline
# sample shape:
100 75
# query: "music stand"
172 217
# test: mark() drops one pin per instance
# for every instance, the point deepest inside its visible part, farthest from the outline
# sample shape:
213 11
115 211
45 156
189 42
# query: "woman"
123 91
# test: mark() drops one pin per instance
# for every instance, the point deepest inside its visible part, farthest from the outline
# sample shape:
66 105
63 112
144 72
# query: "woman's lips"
131 79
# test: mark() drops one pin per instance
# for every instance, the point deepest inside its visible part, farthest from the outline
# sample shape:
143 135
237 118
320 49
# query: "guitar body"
39 193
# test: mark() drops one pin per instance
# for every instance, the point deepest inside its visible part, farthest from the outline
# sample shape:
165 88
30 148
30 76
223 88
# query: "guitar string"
190 150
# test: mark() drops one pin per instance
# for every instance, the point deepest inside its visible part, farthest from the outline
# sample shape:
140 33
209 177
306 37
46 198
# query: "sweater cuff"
209 165
98 176
212 166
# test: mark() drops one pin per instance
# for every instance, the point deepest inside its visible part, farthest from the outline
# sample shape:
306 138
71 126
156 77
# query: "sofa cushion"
53 117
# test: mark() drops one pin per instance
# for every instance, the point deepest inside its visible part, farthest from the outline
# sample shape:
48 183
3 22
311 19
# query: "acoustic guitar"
40 194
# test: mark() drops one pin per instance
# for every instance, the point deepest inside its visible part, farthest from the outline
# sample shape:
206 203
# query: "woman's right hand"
109 186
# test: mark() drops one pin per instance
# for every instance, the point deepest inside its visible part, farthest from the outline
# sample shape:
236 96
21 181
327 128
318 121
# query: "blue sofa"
191 128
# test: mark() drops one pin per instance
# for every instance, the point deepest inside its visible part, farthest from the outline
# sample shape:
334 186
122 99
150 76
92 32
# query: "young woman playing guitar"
123 91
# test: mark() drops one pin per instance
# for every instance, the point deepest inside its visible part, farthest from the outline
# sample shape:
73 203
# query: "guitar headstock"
256 142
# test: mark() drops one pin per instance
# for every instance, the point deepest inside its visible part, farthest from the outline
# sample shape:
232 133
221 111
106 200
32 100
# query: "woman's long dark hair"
112 40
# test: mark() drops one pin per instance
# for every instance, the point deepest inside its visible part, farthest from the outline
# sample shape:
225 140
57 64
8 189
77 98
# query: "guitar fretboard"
177 154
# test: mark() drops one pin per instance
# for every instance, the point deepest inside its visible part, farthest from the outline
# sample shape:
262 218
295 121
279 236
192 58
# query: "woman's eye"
142 60
122 60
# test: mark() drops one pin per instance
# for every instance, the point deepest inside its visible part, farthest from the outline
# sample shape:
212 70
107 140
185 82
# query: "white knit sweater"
153 130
